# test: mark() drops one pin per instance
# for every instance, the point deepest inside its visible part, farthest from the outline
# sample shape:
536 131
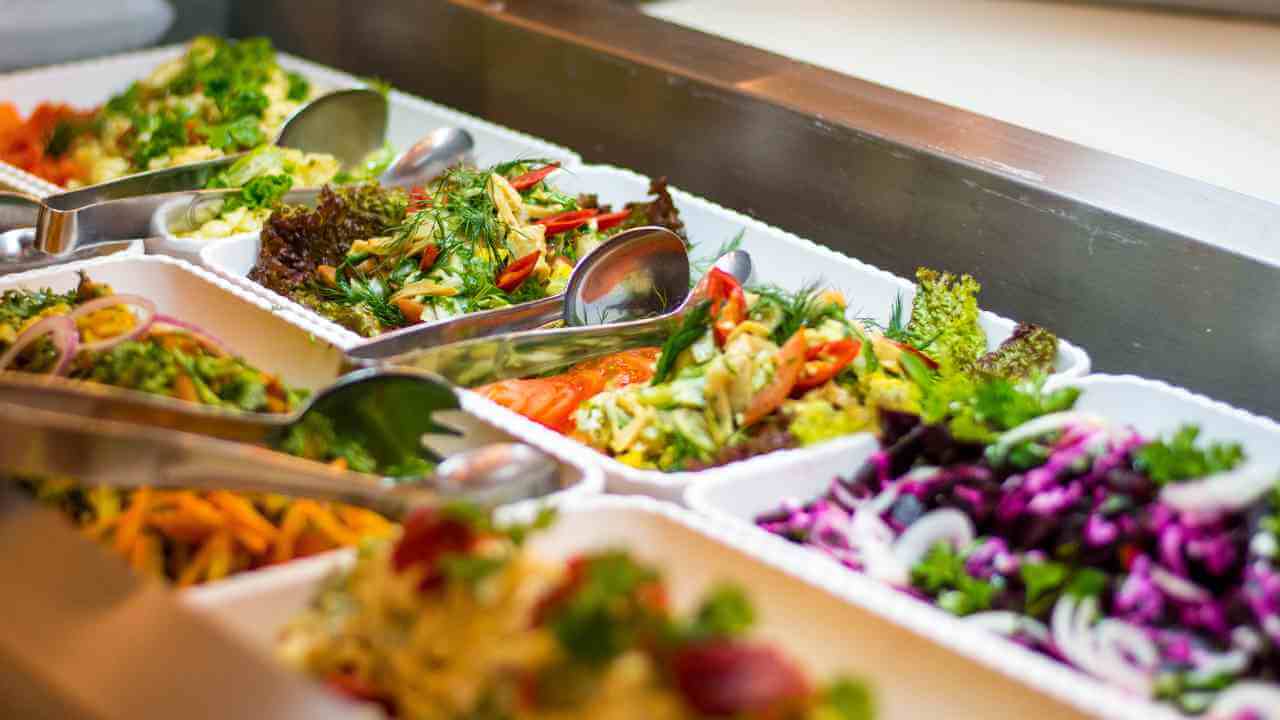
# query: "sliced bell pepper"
419 199
611 220
826 361
533 177
411 309
515 273
566 221
728 303
429 255
790 361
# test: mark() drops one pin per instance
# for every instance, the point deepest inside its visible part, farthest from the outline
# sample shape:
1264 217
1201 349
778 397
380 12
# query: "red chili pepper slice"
529 179
566 221
728 303
826 361
611 220
514 274
419 199
906 347
429 255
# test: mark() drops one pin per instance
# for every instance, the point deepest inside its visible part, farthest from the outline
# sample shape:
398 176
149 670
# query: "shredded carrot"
131 522
24 142
295 522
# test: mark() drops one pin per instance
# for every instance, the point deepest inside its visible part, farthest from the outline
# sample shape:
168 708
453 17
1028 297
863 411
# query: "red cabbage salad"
1152 563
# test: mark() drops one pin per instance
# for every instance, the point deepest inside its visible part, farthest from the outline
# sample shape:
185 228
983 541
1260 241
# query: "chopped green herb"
694 326
1178 459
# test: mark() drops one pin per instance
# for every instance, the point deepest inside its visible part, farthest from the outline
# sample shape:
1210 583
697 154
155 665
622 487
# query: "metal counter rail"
1153 273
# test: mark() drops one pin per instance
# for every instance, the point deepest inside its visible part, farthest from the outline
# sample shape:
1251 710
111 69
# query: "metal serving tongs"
105 435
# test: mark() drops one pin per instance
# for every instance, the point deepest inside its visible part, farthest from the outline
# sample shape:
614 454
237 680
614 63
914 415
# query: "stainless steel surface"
18 210
428 158
1153 273
534 352
391 410
84 638
636 274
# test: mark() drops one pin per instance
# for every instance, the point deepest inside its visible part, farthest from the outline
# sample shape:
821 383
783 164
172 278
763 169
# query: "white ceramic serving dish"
1152 407
807 616
779 257
91 82
268 337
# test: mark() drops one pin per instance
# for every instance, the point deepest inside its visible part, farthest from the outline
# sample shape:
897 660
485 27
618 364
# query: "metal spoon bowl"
638 273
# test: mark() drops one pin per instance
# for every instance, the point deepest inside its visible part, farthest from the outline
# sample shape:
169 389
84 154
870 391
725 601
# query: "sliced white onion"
1232 490
64 336
1228 663
140 326
1045 424
874 540
943 525
1259 697
1177 586
1009 624
1108 650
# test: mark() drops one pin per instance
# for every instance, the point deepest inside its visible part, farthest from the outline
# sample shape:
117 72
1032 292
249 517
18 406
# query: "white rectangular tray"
779 257
266 336
1150 406
809 617
91 82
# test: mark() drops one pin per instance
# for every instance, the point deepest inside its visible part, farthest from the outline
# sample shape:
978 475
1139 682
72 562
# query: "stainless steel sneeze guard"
1153 273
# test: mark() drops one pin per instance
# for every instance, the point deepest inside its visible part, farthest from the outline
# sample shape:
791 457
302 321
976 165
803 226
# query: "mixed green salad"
375 259
755 370
455 618
219 97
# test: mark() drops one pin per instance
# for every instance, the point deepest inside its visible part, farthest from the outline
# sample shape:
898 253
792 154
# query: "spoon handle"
526 354
523 316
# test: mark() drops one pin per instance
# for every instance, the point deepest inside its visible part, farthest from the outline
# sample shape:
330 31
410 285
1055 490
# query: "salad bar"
900 504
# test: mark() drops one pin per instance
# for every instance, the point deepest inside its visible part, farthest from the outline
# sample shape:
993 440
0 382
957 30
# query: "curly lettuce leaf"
1028 352
944 320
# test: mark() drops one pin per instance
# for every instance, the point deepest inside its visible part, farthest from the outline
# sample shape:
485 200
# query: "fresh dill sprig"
802 308
693 326
702 266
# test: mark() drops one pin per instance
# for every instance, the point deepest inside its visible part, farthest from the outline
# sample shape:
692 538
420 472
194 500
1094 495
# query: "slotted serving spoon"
103 434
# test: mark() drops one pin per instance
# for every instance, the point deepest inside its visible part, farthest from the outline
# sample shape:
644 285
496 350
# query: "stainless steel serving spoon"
530 353
102 434
638 273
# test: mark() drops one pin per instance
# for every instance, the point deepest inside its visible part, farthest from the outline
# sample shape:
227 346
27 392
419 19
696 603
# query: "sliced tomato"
419 199
429 255
529 179
790 361
566 221
826 361
515 273
731 678
428 534
552 401
351 686
608 221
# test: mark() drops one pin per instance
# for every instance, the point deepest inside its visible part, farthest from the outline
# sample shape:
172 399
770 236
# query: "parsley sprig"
1178 459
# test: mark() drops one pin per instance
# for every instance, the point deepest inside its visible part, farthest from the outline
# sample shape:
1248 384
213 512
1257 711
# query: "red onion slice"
211 342
1232 490
148 314
64 335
